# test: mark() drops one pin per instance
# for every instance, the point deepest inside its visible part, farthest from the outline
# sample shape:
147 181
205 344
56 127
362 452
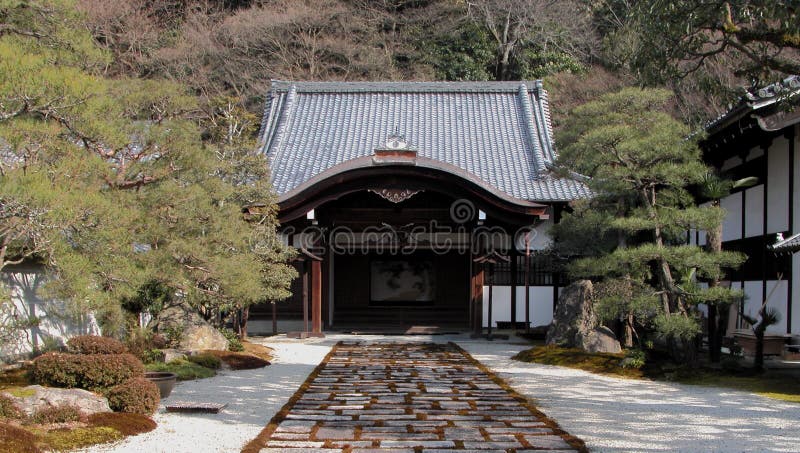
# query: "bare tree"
565 26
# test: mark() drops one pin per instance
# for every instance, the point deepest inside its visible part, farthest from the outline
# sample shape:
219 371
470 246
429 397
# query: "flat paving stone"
394 397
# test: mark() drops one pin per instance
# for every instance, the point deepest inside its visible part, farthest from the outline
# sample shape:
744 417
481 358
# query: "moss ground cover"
780 387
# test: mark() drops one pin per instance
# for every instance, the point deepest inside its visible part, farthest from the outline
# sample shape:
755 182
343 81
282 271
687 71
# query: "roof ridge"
400 86
531 128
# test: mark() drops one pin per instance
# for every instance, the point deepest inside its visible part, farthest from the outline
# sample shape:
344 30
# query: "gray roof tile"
499 132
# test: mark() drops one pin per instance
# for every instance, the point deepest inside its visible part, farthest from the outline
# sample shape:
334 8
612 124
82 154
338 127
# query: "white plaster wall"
732 225
752 300
778 182
777 301
57 322
754 211
541 300
795 293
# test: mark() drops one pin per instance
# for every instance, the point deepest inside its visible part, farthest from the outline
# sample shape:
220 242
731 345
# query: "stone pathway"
419 397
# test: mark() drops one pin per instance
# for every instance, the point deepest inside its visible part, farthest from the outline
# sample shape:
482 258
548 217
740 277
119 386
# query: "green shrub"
137 395
206 360
93 371
93 344
145 344
8 409
56 414
173 335
634 358
234 343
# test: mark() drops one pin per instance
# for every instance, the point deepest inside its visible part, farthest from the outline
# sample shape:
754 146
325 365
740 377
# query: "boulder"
575 322
35 397
197 333
601 339
198 338
173 354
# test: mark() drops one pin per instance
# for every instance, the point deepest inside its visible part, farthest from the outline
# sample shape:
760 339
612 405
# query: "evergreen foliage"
109 183
640 164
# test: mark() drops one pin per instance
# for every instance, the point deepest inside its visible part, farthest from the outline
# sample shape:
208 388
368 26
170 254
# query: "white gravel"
612 414
609 414
253 397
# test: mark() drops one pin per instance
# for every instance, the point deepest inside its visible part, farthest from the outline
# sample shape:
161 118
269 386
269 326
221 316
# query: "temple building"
414 205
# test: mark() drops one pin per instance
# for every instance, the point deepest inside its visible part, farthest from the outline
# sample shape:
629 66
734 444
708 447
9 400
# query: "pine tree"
108 182
640 165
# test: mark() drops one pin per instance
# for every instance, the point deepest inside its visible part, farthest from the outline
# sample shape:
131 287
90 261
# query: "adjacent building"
759 138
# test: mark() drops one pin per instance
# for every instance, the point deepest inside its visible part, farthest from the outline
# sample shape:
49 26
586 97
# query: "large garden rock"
197 333
601 339
36 397
575 322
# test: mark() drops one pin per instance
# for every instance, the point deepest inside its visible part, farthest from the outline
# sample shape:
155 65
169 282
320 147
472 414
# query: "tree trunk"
243 323
714 245
758 363
627 336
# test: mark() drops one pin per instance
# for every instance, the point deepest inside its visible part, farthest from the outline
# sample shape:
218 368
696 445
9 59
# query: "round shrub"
137 395
89 372
206 360
56 414
93 344
8 409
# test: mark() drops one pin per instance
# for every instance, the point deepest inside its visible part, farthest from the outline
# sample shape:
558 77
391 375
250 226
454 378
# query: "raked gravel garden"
607 413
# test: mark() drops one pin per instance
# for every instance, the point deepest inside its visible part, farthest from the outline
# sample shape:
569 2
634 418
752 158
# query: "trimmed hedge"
137 395
91 372
93 344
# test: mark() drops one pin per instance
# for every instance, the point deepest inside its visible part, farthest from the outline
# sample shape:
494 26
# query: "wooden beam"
316 297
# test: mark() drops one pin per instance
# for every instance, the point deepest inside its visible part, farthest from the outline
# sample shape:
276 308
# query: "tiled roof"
788 245
498 132
763 97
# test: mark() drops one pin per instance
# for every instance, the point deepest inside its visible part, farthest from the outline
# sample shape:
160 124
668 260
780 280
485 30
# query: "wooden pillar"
514 278
477 297
316 297
305 296
491 284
